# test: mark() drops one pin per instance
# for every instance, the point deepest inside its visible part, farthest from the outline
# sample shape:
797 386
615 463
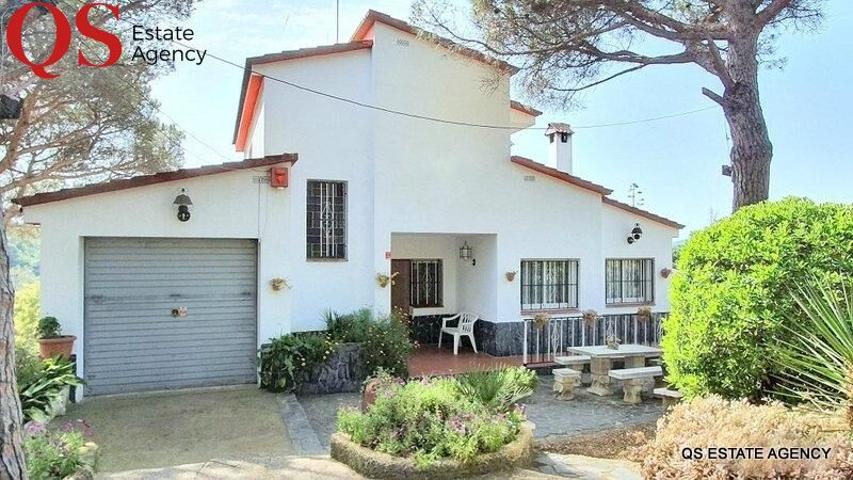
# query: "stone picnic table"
601 360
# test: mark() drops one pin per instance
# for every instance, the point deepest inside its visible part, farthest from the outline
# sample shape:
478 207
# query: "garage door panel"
132 341
113 354
143 368
107 325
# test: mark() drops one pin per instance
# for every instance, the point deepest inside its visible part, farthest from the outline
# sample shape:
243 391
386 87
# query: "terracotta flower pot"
368 396
62 346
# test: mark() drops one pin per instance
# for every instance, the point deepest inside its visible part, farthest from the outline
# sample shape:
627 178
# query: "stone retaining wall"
343 372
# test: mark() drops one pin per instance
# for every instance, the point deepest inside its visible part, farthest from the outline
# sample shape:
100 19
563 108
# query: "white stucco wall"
655 243
334 142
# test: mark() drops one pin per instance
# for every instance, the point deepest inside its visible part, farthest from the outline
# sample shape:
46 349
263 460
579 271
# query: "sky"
676 161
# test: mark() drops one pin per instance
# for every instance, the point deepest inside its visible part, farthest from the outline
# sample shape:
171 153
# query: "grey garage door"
169 313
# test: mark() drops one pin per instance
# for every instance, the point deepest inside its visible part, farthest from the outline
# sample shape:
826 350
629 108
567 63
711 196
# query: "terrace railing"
543 342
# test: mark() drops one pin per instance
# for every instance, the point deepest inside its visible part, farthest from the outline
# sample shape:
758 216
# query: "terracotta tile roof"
283 56
642 213
144 180
373 16
524 108
560 175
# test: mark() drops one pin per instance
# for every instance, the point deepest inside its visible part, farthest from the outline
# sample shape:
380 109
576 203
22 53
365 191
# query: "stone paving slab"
547 467
322 412
586 468
295 468
585 413
304 437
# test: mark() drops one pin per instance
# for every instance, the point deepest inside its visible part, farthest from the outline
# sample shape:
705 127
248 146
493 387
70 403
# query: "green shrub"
39 387
428 421
730 298
387 345
28 366
349 328
499 390
53 454
816 356
27 313
49 327
285 358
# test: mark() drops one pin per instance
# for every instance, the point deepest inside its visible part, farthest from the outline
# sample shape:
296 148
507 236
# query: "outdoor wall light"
465 252
183 202
636 234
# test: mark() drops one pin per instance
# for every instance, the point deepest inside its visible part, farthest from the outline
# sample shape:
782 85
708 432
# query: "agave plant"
817 355
498 389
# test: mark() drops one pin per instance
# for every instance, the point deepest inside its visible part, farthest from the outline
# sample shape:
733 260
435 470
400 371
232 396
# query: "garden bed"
373 464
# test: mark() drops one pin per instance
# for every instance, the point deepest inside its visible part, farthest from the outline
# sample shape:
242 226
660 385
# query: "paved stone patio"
586 413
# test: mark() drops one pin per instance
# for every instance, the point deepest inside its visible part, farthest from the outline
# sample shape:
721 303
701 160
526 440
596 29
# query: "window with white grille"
426 284
549 284
630 280
326 229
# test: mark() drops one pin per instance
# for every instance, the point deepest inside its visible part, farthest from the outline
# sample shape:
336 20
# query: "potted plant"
644 314
590 316
541 319
51 341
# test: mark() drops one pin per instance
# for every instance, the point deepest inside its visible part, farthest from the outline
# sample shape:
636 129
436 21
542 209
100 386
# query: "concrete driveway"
167 429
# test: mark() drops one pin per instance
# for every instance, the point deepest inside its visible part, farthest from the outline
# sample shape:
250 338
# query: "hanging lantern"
465 252
637 232
183 202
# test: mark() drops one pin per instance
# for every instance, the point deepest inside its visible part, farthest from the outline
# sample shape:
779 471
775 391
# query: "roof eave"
643 213
156 178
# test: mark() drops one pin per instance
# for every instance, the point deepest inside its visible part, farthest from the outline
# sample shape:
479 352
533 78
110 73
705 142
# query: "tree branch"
770 12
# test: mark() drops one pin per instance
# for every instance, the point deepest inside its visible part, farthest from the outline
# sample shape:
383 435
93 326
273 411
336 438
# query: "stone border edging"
299 430
373 464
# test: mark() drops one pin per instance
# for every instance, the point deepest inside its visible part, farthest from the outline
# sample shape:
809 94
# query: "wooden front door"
400 289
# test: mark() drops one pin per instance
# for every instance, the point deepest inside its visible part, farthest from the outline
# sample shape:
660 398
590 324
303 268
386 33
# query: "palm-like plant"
818 353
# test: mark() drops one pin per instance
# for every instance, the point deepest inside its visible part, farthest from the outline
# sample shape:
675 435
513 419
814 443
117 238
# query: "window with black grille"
549 284
326 230
630 280
426 284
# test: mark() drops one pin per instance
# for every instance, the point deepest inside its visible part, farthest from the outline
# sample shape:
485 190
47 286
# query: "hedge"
732 292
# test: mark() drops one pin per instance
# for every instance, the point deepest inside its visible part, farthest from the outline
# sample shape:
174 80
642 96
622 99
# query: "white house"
330 195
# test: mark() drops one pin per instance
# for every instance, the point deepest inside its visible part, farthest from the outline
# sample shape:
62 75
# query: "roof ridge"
374 15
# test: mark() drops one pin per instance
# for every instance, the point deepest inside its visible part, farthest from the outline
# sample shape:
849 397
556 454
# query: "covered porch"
437 275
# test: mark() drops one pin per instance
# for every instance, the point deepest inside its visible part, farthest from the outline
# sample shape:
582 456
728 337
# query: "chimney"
560 147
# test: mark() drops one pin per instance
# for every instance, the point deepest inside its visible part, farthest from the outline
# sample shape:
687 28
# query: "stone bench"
565 381
576 362
632 380
668 396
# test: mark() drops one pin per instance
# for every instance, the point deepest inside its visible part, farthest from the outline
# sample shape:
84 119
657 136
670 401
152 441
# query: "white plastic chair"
465 327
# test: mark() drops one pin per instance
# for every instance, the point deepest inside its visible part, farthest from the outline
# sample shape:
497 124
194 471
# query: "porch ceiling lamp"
183 202
465 252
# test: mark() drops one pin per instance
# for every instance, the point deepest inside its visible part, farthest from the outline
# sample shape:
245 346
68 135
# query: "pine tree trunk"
751 148
12 464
